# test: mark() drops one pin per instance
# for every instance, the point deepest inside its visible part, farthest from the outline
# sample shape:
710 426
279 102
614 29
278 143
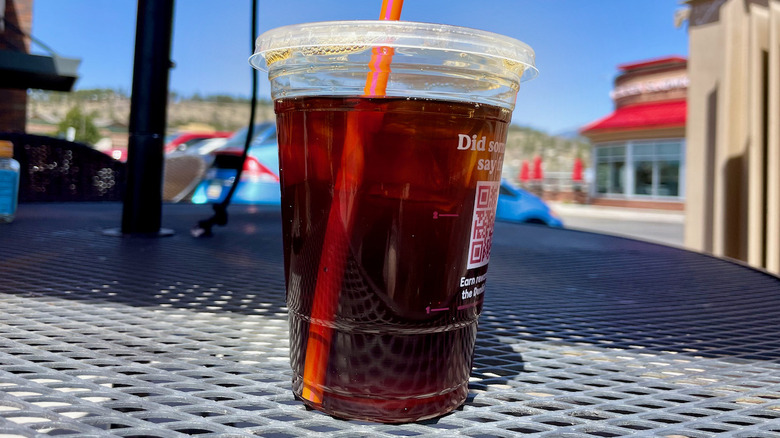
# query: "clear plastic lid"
350 36
435 60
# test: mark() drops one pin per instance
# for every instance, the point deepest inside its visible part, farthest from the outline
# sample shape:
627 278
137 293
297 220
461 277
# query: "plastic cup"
388 205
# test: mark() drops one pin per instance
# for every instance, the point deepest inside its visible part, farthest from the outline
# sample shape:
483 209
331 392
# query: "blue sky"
578 43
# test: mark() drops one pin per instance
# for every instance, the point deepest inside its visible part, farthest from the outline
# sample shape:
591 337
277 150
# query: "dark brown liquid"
403 327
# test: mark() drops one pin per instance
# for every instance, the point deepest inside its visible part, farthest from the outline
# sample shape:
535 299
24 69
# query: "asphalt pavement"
658 226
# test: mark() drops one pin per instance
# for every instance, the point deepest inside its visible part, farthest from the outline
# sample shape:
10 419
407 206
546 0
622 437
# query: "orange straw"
336 244
376 82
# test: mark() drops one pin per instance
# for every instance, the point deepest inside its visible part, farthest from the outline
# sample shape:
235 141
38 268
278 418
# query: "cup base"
405 410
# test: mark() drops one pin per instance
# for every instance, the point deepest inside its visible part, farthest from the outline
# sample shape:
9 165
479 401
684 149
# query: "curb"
632 214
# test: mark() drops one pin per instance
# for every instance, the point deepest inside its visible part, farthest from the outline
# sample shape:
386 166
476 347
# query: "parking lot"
664 227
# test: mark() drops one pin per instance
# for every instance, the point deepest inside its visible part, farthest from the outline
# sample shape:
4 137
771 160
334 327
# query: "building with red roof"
639 149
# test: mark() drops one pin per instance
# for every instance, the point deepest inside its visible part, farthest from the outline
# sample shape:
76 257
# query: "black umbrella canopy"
21 70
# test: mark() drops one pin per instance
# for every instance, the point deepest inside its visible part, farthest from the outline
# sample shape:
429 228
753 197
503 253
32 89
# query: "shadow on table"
585 288
543 285
496 362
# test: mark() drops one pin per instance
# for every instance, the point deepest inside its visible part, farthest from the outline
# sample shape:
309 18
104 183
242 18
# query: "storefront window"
669 178
602 178
611 169
640 169
618 176
643 177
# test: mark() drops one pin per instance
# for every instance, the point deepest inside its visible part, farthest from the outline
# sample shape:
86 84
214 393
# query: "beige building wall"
733 130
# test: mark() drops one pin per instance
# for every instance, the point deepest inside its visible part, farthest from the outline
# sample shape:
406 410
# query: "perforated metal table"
582 335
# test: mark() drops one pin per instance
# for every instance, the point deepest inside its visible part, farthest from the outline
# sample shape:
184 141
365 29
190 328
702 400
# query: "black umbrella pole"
142 210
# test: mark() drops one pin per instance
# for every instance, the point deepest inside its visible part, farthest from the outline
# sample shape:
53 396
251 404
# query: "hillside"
111 110
557 153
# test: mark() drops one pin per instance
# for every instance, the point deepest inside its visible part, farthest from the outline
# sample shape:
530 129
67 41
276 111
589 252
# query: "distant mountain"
112 107
571 134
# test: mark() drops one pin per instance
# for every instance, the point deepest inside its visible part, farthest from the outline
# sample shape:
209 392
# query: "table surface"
581 335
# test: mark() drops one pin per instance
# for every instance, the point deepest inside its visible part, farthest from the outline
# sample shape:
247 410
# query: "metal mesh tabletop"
581 335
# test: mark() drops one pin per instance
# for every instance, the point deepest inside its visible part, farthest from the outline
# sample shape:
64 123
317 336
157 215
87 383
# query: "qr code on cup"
482 223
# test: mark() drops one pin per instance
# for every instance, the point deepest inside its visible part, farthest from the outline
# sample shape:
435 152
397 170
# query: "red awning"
650 115
653 62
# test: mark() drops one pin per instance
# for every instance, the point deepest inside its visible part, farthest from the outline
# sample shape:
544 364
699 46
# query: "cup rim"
309 37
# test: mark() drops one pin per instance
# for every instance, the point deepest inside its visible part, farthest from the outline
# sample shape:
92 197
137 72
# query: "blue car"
260 184
519 206
259 180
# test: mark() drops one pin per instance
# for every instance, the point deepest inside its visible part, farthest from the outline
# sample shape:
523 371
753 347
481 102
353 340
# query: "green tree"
86 131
